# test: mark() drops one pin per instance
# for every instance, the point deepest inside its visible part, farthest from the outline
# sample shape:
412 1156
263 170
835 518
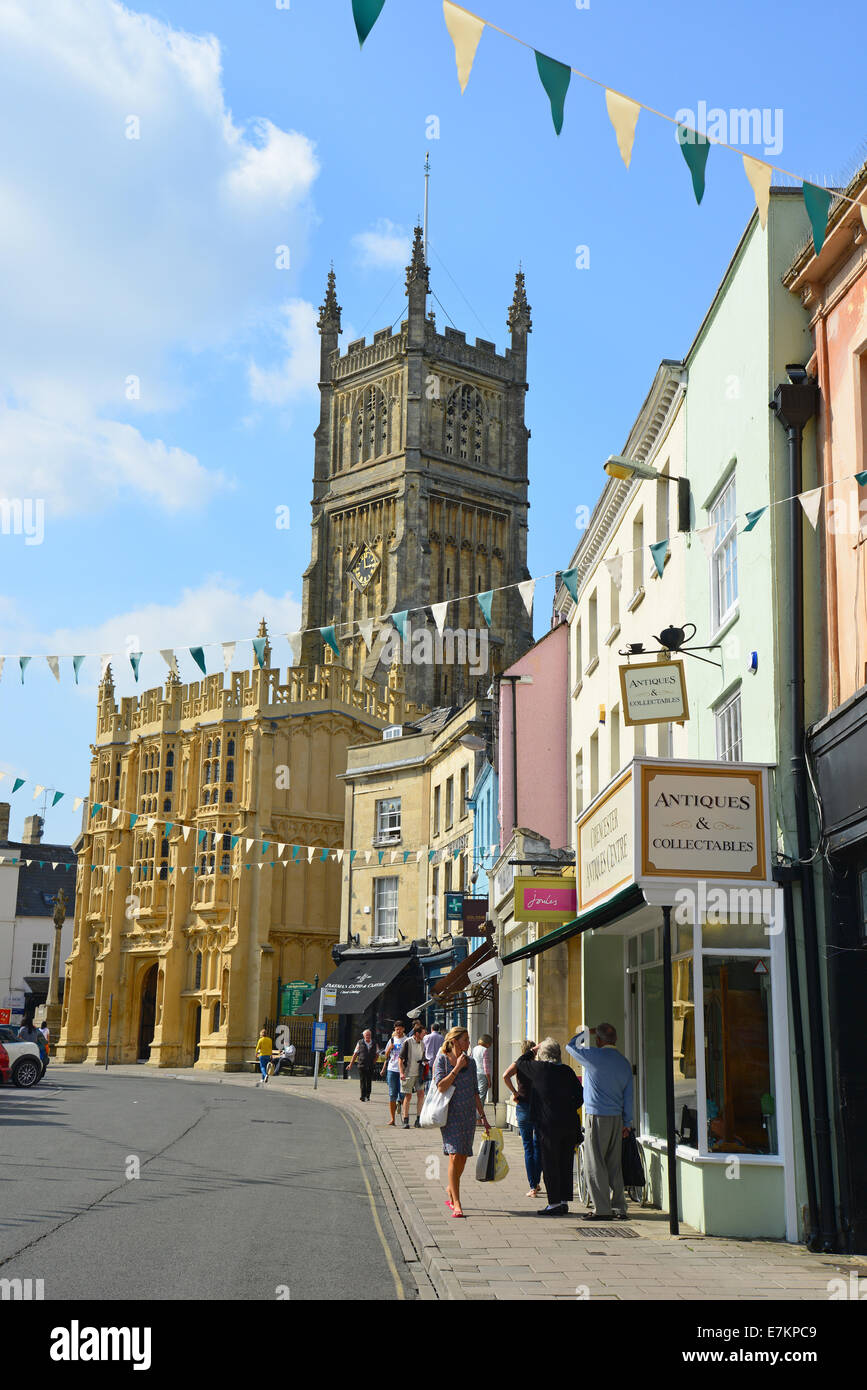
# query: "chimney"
32 830
4 820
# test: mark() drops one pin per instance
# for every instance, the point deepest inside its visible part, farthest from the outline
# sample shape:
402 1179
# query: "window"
168 786
197 980
578 653
593 630
615 603
450 802
435 901
615 740
39 958
594 765
579 783
724 560
729 738
738 1056
464 424
388 819
436 811
465 789
637 552
385 908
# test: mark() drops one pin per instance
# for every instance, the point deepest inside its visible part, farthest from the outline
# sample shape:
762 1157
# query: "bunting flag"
38 792
352 854
466 30
77 802
365 13
394 854
296 852
56 798
527 590
250 843
198 656
294 640
614 565
430 855
570 579
811 502
400 622
759 175
659 551
861 479
186 832
54 667
418 855
170 659
555 78
115 816
23 662
365 627
339 856
485 601
311 850
132 819
265 845
234 841
753 517
323 856
19 782
95 809
623 115
135 662
707 536
327 635
228 654
3 663
76 666
817 201
259 649
439 611
379 854
200 837
695 149
169 827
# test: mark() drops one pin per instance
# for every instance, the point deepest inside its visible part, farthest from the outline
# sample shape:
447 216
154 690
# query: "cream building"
181 922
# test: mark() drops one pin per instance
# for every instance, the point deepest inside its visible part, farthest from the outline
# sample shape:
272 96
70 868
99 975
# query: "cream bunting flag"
365 627
228 654
394 854
367 854
311 850
115 816
250 843
466 30
439 611
170 659
54 667
614 565
151 822
339 856
811 502
294 640
260 866
707 535
186 831
759 175
527 590
38 792
623 114
418 855
184 869
280 849
77 802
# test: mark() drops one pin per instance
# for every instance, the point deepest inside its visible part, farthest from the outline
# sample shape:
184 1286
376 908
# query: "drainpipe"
794 404
785 875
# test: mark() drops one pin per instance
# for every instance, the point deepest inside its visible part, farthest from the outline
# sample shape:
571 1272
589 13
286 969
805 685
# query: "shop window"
739 935
649 948
739 1055
683 1019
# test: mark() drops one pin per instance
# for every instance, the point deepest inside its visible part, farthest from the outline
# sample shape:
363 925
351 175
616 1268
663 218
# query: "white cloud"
384 246
298 374
128 256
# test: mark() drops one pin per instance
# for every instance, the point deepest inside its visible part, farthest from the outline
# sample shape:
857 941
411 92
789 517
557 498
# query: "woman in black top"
526 1128
556 1095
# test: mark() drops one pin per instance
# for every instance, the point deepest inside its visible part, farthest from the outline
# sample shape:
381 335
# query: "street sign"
653 692
329 997
320 1031
293 993
5 1015
475 916
454 907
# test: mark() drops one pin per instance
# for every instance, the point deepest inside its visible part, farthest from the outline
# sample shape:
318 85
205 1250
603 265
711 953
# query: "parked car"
20 1062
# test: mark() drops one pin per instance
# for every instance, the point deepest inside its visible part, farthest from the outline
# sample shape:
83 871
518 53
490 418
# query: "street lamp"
627 469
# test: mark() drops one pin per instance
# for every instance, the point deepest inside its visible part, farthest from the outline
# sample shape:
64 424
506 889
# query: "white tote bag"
435 1110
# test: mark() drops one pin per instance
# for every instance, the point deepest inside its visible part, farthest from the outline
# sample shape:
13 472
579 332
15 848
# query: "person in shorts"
412 1072
391 1066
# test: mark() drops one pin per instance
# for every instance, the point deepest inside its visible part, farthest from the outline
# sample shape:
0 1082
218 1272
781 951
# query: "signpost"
327 1000
293 993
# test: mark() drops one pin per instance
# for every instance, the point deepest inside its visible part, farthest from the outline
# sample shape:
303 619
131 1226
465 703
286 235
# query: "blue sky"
158 371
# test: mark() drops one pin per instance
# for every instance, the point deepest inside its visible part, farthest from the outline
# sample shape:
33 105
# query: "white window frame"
723 512
388 820
728 722
34 968
385 899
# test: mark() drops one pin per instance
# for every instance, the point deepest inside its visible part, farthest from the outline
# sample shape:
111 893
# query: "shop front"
683 950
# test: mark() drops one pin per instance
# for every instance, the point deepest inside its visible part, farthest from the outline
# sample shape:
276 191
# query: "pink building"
533 734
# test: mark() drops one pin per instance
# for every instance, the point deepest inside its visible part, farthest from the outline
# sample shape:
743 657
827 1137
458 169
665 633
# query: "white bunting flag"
294 640
811 502
115 815
54 667
38 792
394 854
466 30
260 865
614 565
311 850
418 855
250 843
228 654
494 849
365 627
623 114
759 175
184 870
439 611
280 849
151 822
54 866
170 659
2 664
186 831
367 854
527 590
77 802
706 535
339 856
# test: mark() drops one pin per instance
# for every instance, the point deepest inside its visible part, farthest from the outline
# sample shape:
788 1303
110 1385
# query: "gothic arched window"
464 424
371 425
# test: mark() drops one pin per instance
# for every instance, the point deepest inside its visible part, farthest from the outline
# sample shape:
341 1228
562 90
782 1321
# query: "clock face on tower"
363 566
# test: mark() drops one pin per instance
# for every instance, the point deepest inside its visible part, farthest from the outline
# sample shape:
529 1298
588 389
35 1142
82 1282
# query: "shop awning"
358 982
625 901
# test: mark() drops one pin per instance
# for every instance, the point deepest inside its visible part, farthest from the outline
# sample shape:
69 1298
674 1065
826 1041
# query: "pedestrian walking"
365 1055
455 1071
526 1127
433 1041
264 1053
46 1033
555 1099
608 1114
482 1059
391 1066
411 1062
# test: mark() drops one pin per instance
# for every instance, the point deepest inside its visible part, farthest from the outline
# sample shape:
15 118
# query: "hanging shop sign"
606 843
475 915
653 692
703 821
545 898
454 907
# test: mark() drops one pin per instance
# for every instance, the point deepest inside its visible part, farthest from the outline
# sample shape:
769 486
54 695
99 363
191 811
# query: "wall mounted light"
627 469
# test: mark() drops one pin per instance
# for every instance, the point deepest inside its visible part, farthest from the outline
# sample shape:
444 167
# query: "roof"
38 887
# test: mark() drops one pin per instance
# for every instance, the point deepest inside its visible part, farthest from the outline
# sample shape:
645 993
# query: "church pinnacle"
266 651
518 320
329 311
417 269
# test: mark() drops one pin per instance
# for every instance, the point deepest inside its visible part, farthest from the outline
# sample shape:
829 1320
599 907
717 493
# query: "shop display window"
738 1051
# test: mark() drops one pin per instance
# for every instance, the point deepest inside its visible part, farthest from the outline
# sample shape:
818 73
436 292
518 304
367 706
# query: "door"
148 1014
197 1034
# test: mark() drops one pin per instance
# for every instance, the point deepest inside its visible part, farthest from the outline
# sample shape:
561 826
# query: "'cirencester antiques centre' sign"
653 692
675 821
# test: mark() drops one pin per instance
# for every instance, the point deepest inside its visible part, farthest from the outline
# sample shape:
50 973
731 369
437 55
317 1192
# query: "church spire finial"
417 269
518 320
266 653
329 311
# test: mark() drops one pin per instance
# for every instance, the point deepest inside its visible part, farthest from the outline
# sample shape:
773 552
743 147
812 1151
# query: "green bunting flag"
259 649
135 662
202 834
235 839
400 621
379 854
265 844
198 656
76 666
659 550
431 855
57 796
132 819
753 517
695 149
168 830
352 854
323 856
365 13
97 806
555 79
23 662
570 579
861 479
485 601
19 782
817 201
327 635
296 851
405 855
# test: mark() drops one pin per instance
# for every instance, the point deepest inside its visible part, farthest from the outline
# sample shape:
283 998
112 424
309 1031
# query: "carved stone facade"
421 460
185 933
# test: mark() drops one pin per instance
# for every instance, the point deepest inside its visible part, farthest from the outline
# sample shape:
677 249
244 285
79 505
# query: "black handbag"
486 1163
632 1161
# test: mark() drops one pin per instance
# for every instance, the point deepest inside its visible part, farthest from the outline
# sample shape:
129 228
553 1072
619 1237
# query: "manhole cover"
607 1232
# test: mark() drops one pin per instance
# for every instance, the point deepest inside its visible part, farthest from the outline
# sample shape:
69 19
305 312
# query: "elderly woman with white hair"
556 1096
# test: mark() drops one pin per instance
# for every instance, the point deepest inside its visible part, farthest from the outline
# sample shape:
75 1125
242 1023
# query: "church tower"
420 495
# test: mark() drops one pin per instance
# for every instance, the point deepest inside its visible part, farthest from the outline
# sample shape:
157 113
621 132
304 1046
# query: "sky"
175 182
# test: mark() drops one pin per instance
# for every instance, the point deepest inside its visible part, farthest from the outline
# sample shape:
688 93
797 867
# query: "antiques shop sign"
703 822
653 692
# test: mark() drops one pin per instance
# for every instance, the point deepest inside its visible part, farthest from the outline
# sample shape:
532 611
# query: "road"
244 1192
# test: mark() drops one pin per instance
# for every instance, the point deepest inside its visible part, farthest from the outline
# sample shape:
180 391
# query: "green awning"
625 901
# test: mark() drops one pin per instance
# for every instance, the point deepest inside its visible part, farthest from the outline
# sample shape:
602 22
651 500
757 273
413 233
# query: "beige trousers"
603 1146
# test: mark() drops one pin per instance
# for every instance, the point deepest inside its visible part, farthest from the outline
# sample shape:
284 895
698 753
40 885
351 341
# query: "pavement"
504 1251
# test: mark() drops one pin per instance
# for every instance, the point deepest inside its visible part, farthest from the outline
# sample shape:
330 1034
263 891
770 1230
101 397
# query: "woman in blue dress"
455 1073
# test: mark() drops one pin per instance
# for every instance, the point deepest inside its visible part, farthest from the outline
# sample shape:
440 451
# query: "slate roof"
38 887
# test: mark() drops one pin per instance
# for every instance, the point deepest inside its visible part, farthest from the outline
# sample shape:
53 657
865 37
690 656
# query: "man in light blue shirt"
608 1113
